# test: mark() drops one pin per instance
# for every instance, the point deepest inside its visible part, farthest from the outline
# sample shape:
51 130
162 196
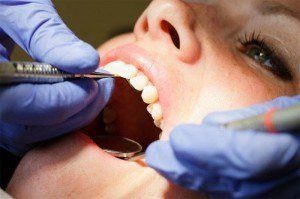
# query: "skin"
211 64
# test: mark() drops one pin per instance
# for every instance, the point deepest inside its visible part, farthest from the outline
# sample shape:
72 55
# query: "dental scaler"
40 73
274 120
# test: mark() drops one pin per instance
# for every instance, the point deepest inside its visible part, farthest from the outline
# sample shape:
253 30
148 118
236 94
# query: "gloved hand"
31 113
230 164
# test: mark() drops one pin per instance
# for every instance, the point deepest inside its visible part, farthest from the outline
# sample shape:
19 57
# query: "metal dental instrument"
118 146
275 120
39 73
137 157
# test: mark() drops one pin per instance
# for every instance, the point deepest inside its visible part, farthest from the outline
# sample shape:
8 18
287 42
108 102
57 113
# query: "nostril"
145 25
169 29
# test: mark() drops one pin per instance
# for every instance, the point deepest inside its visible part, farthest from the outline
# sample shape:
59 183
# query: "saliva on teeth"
140 82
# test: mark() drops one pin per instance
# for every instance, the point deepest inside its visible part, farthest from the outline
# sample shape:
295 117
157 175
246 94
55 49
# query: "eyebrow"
276 8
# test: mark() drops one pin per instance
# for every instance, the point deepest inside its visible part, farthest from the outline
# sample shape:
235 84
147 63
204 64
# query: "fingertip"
76 57
105 89
153 148
161 157
177 134
106 84
154 155
88 59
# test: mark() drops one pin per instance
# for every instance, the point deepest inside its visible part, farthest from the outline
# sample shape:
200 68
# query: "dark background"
93 21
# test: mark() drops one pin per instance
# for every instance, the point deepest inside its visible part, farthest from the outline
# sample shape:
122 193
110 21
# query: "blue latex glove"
230 164
32 113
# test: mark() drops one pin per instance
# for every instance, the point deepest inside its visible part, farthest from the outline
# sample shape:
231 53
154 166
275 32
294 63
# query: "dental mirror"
118 146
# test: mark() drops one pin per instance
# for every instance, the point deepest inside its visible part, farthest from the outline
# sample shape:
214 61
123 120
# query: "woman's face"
213 55
201 56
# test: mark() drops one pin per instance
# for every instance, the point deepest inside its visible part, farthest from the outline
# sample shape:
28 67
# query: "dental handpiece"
40 73
274 120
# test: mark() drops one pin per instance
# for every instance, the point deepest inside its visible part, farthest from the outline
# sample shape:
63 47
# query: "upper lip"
135 55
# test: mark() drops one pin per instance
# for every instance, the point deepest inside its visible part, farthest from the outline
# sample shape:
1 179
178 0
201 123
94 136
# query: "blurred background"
95 21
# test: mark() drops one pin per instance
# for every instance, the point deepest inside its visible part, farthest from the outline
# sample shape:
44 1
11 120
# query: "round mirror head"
118 146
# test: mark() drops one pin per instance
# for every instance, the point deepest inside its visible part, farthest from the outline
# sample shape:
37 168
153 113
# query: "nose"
171 23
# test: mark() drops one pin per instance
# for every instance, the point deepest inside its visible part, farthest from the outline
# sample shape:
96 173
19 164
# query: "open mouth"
134 110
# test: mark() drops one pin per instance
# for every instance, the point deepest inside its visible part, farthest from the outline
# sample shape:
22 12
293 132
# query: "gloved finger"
6 46
228 116
238 155
45 104
161 157
19 139
38 29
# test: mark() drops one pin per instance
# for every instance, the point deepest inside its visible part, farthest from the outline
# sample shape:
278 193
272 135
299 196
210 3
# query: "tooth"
114 67
149 108
149 94
159 123
139 82
156 111
109 115
120 68
129 71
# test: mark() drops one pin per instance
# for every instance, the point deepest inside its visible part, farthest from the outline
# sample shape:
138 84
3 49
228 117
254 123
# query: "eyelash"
277 67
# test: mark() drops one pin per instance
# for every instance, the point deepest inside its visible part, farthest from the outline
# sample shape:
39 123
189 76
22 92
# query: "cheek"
231 85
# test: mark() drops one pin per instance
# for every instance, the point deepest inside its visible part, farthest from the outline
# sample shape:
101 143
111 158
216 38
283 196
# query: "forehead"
289 3
250 8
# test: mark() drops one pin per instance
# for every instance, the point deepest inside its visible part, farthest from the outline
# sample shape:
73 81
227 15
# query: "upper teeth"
149 94
141 83
155 111
120 68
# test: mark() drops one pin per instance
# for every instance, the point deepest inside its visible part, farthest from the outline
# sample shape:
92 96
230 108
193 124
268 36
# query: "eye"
259 55
255 48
